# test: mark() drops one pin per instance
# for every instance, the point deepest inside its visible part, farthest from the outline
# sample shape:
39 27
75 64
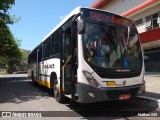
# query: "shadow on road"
116 109
18 90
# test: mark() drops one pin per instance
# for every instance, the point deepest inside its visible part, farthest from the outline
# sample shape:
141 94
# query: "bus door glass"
66 61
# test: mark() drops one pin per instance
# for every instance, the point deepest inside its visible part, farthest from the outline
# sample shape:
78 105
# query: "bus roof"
75 11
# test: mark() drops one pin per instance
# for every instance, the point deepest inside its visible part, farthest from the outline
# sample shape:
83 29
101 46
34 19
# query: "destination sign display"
104 17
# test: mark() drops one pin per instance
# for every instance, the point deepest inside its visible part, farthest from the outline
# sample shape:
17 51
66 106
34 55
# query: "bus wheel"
33 82
52 79
57 94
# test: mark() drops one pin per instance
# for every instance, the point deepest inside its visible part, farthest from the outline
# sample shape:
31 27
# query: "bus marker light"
111 83
124 97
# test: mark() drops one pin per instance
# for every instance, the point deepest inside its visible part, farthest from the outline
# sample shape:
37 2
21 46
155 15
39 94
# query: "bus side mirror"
80 26
80 23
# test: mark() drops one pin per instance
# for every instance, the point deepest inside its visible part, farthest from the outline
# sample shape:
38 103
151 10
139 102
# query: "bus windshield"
110 46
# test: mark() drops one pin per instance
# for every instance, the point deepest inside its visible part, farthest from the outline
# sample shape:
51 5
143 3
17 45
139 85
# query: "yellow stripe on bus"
47 84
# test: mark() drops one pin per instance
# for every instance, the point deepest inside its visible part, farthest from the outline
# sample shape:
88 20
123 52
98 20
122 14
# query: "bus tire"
52 79
57 94
33 82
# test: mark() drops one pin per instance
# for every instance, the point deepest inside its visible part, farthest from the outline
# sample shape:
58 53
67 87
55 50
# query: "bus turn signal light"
111 83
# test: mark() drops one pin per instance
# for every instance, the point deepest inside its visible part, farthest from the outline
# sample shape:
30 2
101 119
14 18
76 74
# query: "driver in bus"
90 43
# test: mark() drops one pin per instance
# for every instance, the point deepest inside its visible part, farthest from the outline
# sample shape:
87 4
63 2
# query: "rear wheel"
32 77
52 79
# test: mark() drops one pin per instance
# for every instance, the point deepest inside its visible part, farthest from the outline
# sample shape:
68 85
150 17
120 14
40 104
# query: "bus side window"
46 48
68 44
55 43
52 45
40 53
33 57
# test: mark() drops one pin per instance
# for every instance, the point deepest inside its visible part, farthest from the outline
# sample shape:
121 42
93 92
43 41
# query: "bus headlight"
91 79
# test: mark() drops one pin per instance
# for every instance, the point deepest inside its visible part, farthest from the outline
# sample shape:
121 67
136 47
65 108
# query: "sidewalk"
152 94
152 85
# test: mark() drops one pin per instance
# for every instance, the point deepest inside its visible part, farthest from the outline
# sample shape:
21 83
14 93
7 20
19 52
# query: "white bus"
91 56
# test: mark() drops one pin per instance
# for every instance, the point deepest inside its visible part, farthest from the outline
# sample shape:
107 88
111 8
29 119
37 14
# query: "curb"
148 100
13 75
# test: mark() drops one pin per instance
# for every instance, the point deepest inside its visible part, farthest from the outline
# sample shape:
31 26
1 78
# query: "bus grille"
118 75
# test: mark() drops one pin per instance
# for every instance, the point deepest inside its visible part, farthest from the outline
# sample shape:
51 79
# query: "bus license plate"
124 97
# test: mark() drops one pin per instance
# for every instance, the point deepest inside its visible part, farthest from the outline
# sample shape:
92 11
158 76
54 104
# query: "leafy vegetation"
10 54
5 5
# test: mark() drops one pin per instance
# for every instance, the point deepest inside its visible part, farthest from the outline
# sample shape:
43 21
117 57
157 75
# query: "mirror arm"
76 16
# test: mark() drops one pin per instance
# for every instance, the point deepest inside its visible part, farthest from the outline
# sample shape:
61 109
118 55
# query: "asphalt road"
18 94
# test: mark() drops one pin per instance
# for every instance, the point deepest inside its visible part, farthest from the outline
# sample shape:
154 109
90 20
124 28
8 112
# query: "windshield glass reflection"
109 46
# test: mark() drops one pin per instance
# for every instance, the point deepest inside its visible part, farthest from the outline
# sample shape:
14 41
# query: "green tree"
10 54
5 5
22 65
9 49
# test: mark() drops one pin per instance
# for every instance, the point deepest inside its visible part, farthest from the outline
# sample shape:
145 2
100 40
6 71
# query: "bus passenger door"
68 65
66 62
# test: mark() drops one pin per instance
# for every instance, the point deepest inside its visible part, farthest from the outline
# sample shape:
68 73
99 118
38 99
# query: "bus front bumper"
89 94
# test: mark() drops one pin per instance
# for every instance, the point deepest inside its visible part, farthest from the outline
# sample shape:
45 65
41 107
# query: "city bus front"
110 58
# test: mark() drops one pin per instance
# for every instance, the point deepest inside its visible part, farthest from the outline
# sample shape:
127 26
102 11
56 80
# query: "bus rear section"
110 58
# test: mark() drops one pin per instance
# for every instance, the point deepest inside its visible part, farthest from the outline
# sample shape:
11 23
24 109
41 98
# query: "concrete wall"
122 6
143 15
